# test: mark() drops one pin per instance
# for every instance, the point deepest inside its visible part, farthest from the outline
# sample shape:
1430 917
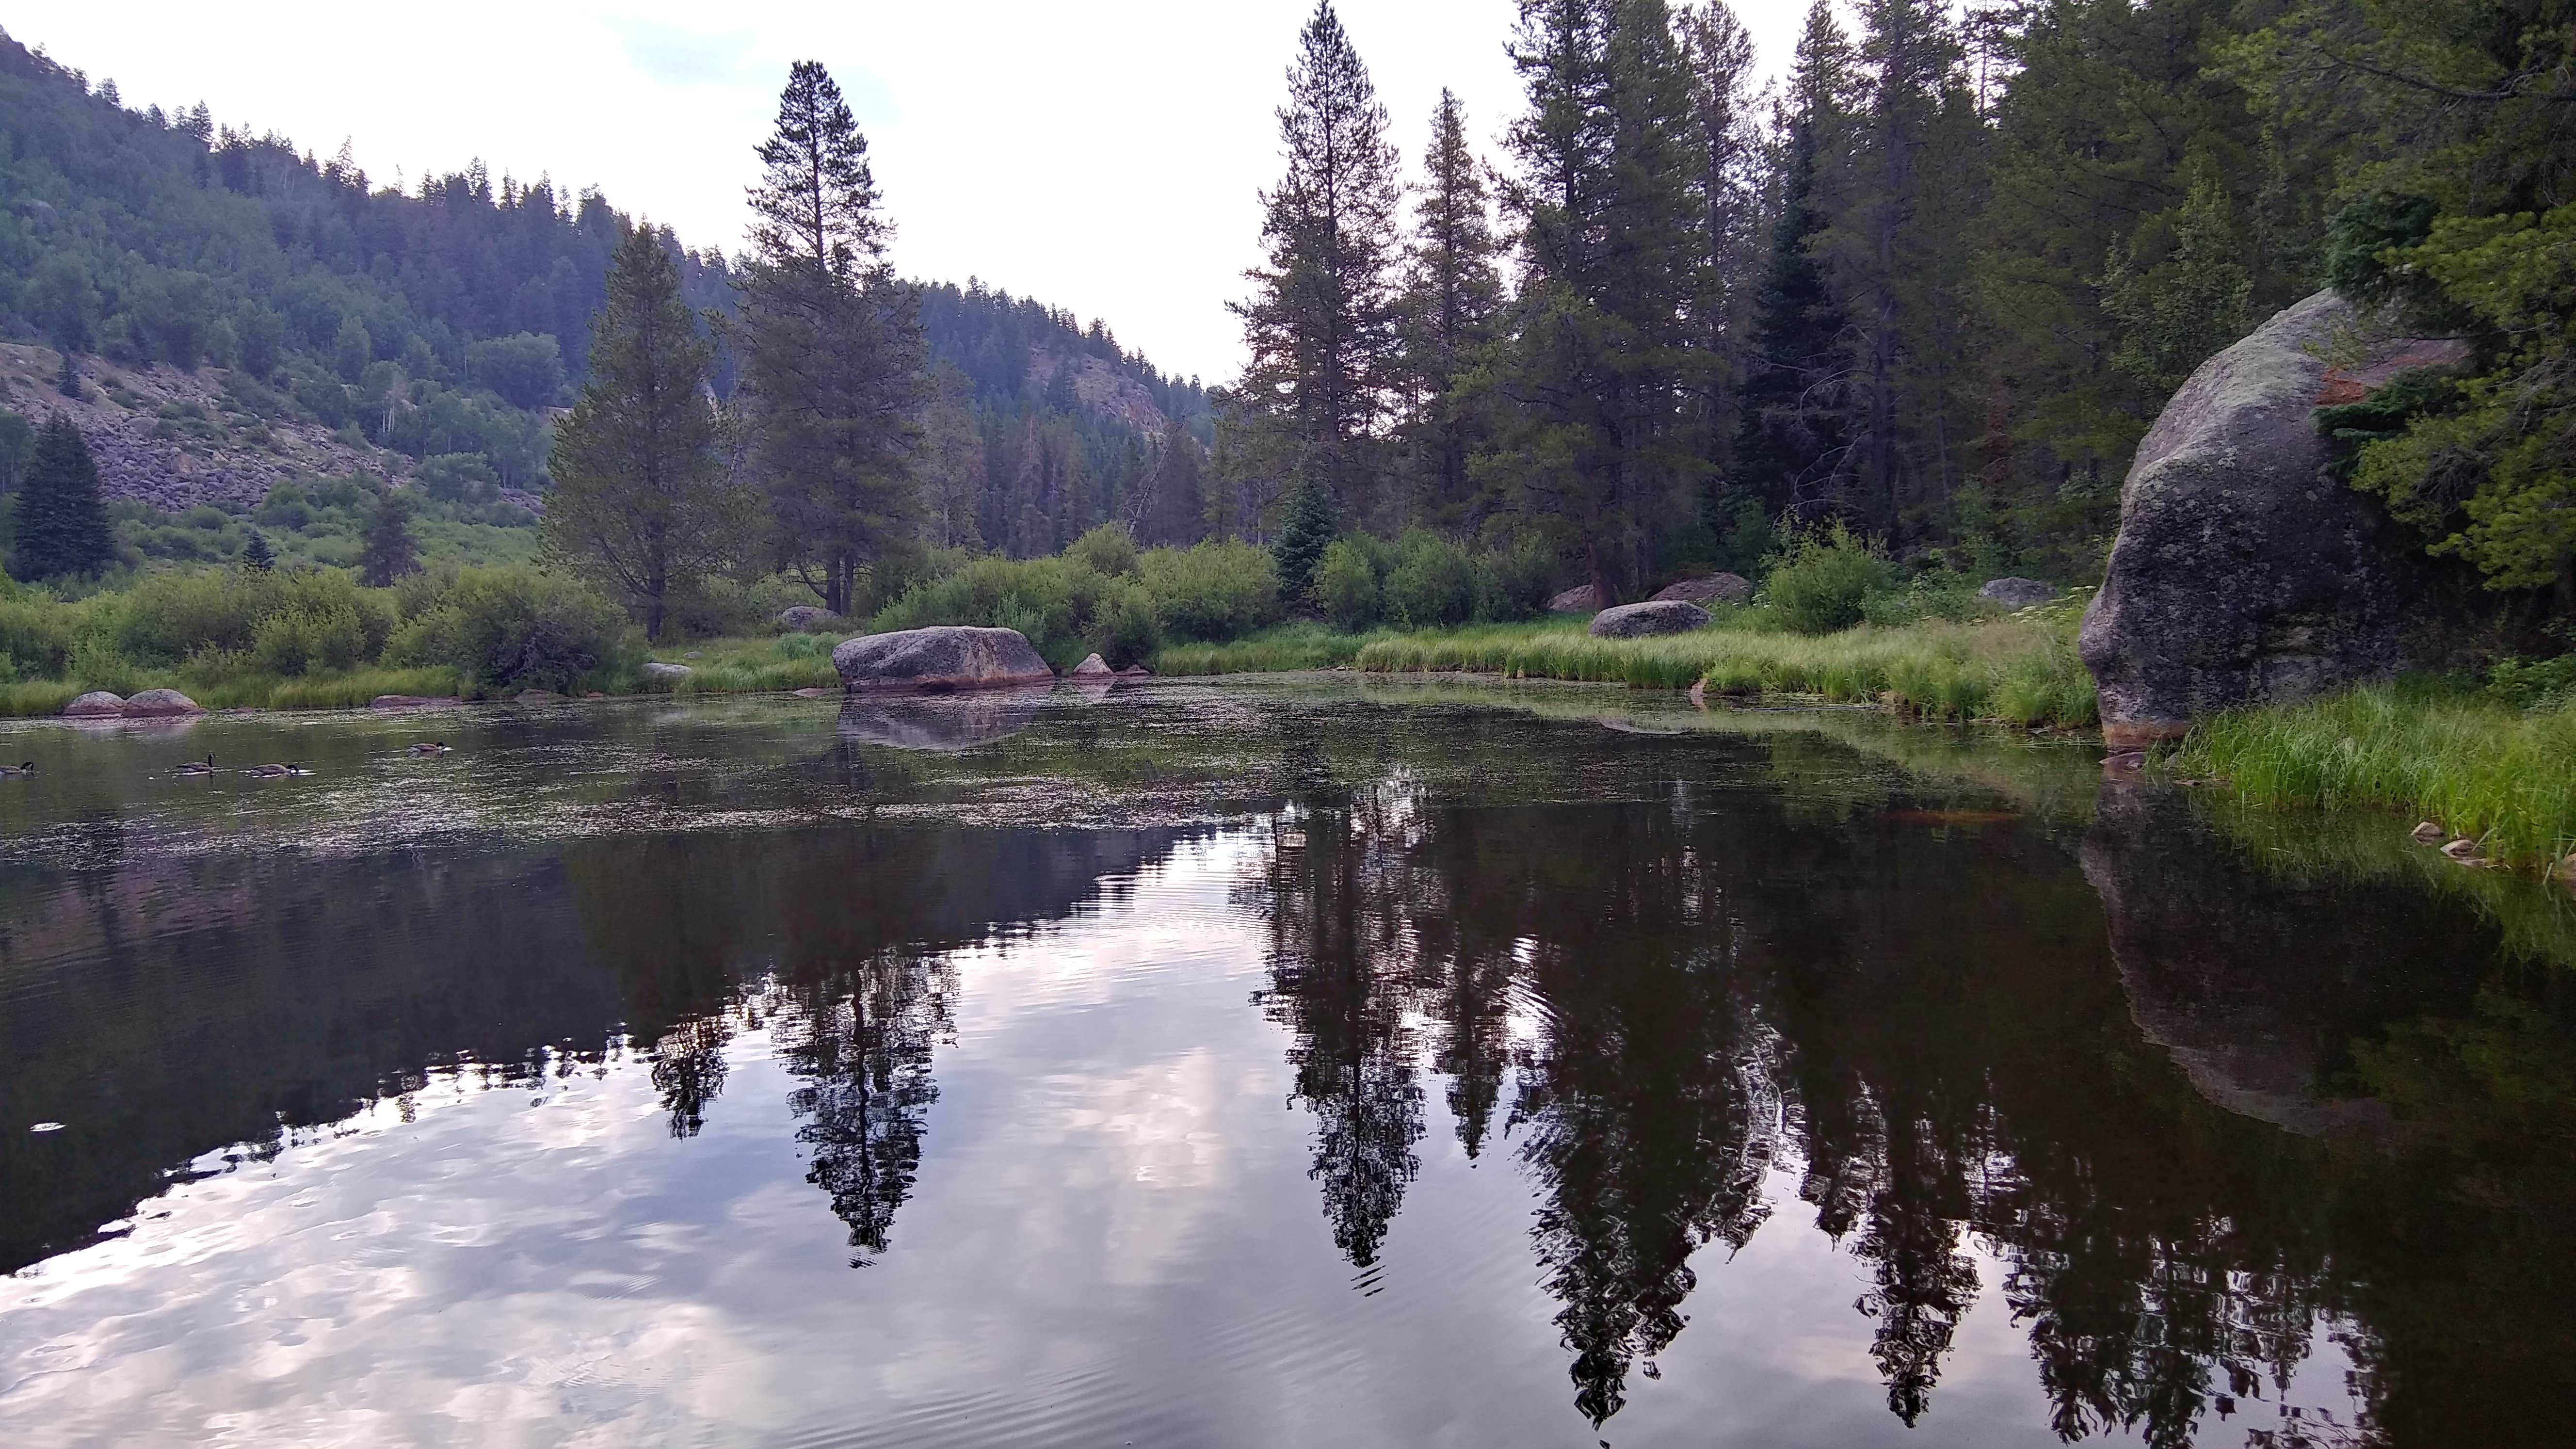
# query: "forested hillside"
445 319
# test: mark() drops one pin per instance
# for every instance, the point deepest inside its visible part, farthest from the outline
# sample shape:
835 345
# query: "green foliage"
1433 585
59 527
168 617
1307 528
1217 590
1109 549
506 630
1819 577
36 635
2478 767
322 622
2174 312
1346 587
1512 582
391 551
2533 684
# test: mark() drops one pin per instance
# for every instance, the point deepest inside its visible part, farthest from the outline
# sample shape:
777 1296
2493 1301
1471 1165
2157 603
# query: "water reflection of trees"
1665 1004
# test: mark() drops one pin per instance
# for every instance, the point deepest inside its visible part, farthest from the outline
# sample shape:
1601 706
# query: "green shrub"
514 629
2522 683
1512 583
1108 549
324 623
1215 591
168 617
1939 594
1820 576
36 635
1433 585
1346 587
1125 629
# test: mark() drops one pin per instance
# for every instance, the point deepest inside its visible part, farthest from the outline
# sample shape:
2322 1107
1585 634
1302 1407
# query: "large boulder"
807 619
97 704
2016 593
1581 599
2242 574
1641 621
161 704
1713 589
947 657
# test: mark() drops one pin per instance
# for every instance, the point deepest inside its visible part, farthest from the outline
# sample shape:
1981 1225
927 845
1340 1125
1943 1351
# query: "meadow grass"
2021 669
2474 766
351 689
749 666
1280 650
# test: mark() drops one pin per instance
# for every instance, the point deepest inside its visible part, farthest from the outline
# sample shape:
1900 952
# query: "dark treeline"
1934 283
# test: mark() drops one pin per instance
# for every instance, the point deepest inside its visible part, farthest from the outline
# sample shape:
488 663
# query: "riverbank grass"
2021 669
2473 765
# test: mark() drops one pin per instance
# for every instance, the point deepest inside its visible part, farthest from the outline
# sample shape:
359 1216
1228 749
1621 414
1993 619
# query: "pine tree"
830 345
1174 499
1453 289
61 524
257 556
641 503
389 551
1307 527
1598 370
1790 449
1727 141
1321 323
67 379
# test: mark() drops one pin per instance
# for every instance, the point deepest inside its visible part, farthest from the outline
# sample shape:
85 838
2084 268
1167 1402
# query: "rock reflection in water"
958 720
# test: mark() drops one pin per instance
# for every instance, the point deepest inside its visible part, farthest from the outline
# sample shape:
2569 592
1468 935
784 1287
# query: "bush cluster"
1102 595
1425 581
496 630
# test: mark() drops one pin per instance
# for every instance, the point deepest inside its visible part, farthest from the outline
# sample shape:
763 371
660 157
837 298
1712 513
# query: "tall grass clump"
2022 670
1272 651
2477 766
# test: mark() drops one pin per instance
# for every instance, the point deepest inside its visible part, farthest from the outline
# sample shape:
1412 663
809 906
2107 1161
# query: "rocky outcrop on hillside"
199 456
1099 385
2243 574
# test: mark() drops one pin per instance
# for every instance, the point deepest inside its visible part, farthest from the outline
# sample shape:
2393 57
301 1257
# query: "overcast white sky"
1102 157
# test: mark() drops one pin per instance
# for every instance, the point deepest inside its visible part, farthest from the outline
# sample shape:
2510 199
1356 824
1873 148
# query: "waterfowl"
433 747
271 772
12 772
205 766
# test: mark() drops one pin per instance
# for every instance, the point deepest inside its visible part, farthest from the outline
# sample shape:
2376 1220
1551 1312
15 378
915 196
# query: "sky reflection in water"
1197 1067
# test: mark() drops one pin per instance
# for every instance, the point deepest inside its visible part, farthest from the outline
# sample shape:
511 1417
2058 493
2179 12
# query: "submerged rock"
2242 573
1641 621
97 704
947 657
1714 589
2016 593
1581 599
401 701
161 704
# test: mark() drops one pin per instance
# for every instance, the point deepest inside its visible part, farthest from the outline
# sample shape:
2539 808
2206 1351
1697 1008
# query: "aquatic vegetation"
2022 670
2476 766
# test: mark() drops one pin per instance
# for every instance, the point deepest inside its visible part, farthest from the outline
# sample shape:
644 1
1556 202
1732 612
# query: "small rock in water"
2129 760
2429 833
46 1127
2461 849
1092 667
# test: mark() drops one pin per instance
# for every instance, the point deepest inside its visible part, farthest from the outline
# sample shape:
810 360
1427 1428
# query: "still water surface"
1255 1066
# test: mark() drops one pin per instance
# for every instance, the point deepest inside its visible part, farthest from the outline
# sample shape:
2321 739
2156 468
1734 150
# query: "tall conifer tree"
1321 324
1598 369
1790 449
641 503
61 524
1452 291
830 344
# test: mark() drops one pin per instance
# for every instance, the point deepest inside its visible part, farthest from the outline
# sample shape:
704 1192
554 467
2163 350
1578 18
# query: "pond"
1281 1064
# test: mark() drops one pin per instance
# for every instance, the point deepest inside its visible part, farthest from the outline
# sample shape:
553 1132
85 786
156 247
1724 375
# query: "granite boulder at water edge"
1641 621
2243 574
97 704
946 657
161 704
